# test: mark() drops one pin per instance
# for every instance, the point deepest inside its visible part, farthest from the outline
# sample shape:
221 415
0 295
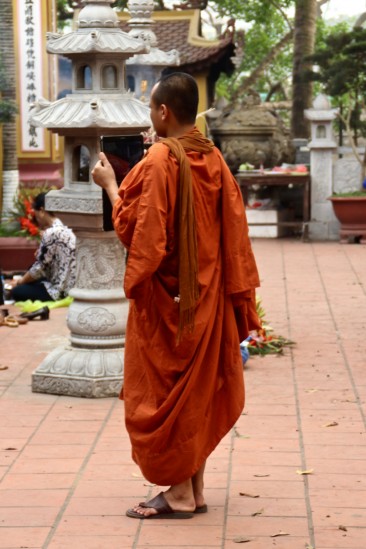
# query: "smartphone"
123 152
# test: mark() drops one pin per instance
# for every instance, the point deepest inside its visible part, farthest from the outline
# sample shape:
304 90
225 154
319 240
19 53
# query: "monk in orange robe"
191 279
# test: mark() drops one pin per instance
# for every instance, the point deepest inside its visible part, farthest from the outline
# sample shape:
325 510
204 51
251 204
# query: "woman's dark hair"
39 201
179 92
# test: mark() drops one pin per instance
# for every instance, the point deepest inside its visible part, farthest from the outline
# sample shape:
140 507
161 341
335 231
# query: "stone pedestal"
91 365
323 224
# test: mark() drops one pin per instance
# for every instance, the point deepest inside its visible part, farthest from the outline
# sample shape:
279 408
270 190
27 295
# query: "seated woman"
53 273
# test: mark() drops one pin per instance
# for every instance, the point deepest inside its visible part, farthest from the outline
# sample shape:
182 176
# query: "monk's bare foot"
200 500
198 486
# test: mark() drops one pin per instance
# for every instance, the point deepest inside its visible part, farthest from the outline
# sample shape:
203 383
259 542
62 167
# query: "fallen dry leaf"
238 435
279 534
4 367
260 512
341 527
305 472
241 539
245 494
331 424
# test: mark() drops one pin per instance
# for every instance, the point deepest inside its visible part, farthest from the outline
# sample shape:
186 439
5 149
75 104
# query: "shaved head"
179 92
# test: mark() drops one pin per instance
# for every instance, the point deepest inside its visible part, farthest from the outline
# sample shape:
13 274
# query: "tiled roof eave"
95 41
91 111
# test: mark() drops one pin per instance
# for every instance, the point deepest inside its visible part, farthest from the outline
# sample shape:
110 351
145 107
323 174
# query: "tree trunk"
10 173
304 40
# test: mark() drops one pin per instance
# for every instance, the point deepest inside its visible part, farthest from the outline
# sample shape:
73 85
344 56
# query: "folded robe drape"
182 398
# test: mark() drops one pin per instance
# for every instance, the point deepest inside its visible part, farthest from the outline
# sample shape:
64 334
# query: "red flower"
29 226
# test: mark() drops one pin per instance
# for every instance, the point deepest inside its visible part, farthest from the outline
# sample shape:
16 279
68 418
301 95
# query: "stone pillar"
323 223
91 364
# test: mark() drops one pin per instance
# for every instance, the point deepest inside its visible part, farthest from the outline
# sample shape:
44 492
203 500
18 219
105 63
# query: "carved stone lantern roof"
141 23
99 100
92 40
120 113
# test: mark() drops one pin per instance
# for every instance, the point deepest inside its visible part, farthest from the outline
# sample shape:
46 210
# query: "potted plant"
341 64
19 236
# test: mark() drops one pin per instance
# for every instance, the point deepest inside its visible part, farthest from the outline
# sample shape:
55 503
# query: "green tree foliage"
260 11
341 64
268 23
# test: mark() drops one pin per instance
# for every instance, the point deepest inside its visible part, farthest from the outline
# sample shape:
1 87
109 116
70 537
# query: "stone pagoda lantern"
91 365
144 70
323 224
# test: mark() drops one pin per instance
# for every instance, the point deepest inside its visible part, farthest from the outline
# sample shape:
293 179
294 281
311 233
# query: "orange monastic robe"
182 398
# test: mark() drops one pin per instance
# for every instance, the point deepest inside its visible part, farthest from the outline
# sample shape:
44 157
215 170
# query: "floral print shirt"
55 260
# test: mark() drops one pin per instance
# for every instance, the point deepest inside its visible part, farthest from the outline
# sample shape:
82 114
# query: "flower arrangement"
21 219
263 341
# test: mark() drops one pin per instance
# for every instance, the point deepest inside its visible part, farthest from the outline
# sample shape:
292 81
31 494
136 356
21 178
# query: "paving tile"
91 542
23 537
337 439
96 525
28 516
349 453
333 517
114 488
261 444
271 459
267 507
339 466
334 497
41 466
7 457
98 506
112 457
333 538
13 443
59 451
70 426
244 472
267 526
40 481
266 542
110 472
32 498
180 533
62 438
268 488
326 481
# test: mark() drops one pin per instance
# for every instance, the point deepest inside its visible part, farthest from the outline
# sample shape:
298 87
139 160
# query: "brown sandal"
11 321
164 511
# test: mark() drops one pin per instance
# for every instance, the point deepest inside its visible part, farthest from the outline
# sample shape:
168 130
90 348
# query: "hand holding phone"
121 152
103 172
